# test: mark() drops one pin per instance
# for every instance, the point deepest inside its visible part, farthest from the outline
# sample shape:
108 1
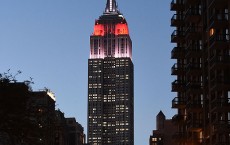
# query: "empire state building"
110 81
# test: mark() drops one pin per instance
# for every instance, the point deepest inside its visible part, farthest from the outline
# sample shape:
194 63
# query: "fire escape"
218 72
188 69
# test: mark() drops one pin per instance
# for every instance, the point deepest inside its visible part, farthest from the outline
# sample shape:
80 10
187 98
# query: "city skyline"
51 34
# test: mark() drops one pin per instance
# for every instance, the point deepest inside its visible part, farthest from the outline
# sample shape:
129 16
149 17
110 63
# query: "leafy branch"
8 77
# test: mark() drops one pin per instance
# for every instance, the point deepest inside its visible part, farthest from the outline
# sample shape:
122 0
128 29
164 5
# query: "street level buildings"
41 110
202 70
76 134
61 130
28 117
110 81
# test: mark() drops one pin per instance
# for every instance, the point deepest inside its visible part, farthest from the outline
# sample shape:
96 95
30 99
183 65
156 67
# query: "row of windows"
109 117
94 87
109 62
99 63
95 64
99 99
95 137
94 98
93 94
119 80
122 111
119 86
95 77
94 116
154 139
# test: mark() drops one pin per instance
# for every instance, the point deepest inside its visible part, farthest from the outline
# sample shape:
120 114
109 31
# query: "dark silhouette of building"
42 112
61 130
28 117
14 123
163 135
110 80
76 134
68 131
202 71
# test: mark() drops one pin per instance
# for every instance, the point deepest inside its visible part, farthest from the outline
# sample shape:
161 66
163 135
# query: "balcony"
194 88
177 5
177 20
220 62
217 3
219 20
177 36
178 86
194 125
193 15
193 33
177 69
219 41
193 69
178 53
178 103
194 51
220 104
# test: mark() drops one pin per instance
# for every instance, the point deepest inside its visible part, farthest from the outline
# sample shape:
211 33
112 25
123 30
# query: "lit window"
211 32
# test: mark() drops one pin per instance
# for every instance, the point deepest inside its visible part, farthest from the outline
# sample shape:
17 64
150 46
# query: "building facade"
110 81
28 117
163 135
61 130
41 106
76 134
68 131
13 115
202 71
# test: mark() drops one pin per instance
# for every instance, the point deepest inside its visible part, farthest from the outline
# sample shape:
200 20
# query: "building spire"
111 6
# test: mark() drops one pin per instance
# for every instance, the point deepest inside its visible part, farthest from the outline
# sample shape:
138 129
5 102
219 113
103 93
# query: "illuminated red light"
98 30
121 29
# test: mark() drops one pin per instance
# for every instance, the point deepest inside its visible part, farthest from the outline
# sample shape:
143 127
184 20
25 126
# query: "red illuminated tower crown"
111 35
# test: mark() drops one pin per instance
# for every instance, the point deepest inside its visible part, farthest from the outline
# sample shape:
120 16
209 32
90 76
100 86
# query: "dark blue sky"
48 40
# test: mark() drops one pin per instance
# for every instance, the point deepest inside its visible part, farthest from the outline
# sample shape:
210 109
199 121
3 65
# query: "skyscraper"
110 81
202 71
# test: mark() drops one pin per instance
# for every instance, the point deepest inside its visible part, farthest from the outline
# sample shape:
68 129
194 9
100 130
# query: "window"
211 32
200 136
228 96
226 14
228 117
227 34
